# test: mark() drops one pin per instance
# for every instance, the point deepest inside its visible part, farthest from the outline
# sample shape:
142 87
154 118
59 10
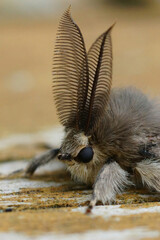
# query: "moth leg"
36 162
149 171
111 180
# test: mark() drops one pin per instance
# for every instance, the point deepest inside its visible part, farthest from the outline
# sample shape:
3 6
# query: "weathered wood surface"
50 205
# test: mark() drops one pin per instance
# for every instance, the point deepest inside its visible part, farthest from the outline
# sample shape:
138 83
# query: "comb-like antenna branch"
70 72
100 77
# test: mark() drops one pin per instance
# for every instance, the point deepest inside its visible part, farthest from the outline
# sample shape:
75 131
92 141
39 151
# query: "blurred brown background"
27 35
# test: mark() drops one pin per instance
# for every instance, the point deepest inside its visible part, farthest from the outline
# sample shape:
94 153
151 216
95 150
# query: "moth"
112 136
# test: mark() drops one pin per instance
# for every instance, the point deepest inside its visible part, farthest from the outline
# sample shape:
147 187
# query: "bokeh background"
27 36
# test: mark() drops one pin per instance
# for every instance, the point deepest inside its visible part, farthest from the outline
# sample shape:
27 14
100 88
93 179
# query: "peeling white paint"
83 199
129 234
149 195
8 196
13 203
15 185
116 210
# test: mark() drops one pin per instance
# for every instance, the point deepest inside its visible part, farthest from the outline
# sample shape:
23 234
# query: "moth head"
76 147
81 86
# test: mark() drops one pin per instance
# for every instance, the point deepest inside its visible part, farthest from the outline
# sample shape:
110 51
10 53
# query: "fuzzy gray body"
126 145
112 138
128 134
130 128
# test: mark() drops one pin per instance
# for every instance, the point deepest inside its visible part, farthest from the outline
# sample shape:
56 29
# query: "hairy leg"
111 180
40 160
36 162
149 171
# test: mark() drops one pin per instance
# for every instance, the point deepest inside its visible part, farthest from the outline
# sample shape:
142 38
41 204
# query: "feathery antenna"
81 82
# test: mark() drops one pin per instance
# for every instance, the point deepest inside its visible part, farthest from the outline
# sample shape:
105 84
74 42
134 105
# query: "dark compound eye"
85 155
